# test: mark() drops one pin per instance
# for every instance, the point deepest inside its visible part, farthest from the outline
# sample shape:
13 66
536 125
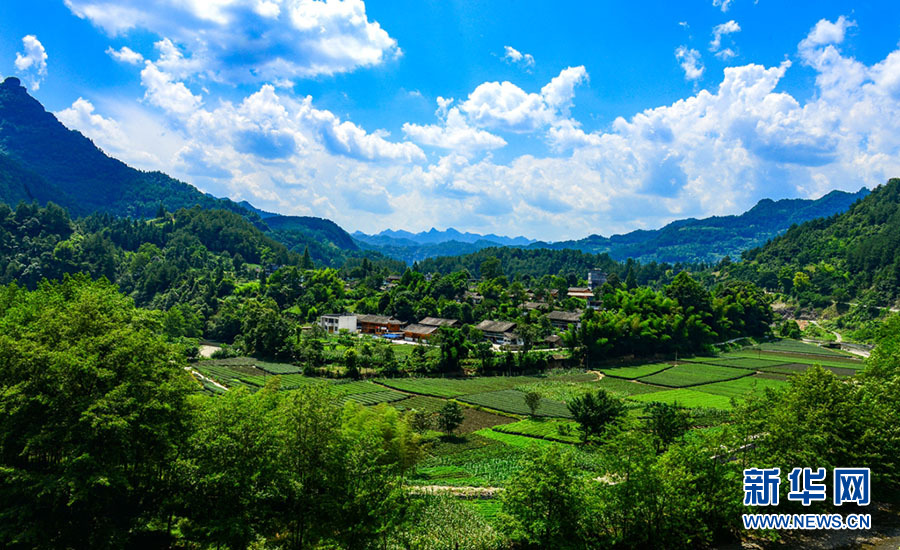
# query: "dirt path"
207 350
599 374
197 374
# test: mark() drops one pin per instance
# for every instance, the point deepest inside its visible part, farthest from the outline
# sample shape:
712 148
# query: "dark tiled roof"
378 319
420 329
438 322
565 316
495 326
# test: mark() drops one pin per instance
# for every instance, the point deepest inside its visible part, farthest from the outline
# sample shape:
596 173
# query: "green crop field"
624 388
797 368
454 387
270 368
636 371
513 401
840 362
342 388
553 429
557 390
794 346
693 374
742 386
513 440
374 398
686 397
421 403
739 362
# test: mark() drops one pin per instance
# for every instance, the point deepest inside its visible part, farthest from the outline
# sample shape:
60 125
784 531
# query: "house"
584 293
539 306
336 322
596 278
439 322
498 332
553 341
562 320
473 297
419 332
378 324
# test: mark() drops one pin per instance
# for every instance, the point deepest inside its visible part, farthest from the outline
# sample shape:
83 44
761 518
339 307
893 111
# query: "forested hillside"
846 257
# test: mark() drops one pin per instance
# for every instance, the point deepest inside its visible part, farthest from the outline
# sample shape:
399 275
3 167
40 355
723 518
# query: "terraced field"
686 397
693 374
513 401
742 386
738 362
638 371
553 429
455 387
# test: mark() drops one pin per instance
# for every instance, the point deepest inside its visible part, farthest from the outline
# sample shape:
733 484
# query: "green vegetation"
686 397
742 387
546 428
637 371
513 401
693 374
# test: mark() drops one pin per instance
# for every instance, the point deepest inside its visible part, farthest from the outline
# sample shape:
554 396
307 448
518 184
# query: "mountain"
850 256
711 239
63 165
390 237
41 160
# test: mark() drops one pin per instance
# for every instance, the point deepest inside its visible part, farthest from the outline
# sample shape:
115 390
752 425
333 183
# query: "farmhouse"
378 324
336 322
562 320
499 332
419 332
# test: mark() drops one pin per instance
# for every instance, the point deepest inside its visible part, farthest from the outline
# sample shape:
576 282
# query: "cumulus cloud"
690 61
125 55
722 4
277 39
719 31
32 62
515 57
715 152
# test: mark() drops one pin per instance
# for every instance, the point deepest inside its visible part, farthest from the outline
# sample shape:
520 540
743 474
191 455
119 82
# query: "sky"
552 120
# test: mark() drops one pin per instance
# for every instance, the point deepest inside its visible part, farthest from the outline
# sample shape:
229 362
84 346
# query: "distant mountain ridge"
433 236
711 239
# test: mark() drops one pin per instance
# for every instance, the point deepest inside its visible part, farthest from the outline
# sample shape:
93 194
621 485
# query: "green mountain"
64 165
711 239
848 256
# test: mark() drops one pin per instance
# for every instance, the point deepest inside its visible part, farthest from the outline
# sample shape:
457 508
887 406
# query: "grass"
270 368
565 431
557 390
693 374
685 397
636 371
513 401
742 386
519 441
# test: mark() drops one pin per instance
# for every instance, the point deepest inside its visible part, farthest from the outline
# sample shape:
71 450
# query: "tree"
450 416
594 411
541 504
491 268
93 417
667 423
532 401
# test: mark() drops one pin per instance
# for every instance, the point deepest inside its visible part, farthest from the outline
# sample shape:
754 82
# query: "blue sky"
548 119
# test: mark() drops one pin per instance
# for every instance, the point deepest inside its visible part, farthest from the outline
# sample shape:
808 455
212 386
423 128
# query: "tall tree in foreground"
92 417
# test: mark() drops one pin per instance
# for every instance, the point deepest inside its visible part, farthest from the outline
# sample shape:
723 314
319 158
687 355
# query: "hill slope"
847 256
89 180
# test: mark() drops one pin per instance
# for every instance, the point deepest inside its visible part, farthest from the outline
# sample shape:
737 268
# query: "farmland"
637 371
693 374
513 401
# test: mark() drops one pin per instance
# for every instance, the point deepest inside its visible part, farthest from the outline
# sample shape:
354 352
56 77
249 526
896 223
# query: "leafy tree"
542 501
667 423
93 416
450 416
594 411
532 401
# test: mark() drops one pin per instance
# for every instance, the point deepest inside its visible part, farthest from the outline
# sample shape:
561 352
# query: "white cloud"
722 4
278 40
32 63
515 57
715 152
455 134
690 61
825 32
125 55
506 107
719 31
